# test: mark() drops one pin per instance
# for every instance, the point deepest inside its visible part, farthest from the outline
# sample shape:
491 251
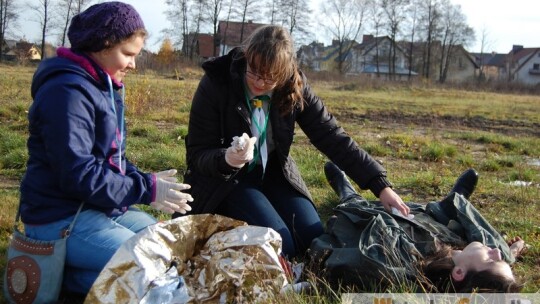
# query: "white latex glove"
169 199
241 151
168 175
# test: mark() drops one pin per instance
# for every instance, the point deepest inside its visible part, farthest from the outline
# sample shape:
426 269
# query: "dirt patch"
165 125
9 182
508 127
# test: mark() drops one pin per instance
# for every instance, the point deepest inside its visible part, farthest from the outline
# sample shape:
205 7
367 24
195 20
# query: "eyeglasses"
256 77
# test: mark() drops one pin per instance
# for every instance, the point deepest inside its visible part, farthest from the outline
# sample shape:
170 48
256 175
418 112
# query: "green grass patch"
13 152
437 151
490 164
527 175
423 158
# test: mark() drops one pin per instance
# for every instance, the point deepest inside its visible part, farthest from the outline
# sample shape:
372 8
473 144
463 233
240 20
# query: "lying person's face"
478 257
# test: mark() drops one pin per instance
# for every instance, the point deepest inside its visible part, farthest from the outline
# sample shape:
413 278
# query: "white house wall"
523 75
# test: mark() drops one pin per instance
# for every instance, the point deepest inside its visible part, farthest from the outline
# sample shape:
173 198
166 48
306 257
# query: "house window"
535 70
461 65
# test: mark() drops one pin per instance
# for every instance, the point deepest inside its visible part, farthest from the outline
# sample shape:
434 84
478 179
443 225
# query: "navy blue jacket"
73 154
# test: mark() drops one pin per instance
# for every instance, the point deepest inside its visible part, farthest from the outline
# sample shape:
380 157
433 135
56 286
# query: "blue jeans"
93 241
273 202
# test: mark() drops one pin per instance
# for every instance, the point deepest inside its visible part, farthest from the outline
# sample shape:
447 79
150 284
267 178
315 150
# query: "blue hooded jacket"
73 145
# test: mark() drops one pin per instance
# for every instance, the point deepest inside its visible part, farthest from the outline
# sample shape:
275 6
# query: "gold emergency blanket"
194 259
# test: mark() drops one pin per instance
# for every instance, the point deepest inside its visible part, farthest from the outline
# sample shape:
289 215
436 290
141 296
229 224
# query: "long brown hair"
270 52
437 269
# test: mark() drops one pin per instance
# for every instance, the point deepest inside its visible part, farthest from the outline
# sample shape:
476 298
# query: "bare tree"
44 16
429 17
8 17
65 11
274 11
80 5
178 14
376 16
213 11
456 33
246 10
344 20
395 11
296 18
485 44
412 22
223 38
197 11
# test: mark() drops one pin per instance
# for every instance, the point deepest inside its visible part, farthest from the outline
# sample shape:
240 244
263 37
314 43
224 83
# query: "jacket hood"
230 66
52 67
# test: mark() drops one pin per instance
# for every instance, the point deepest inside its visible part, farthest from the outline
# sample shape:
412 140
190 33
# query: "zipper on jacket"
119 125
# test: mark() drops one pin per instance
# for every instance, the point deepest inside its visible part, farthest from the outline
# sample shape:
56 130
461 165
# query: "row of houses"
368 57
520 65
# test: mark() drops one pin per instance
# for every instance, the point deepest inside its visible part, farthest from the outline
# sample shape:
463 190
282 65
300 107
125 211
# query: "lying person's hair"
438 267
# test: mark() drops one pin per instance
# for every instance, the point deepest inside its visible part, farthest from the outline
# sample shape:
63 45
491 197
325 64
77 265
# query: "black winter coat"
219 112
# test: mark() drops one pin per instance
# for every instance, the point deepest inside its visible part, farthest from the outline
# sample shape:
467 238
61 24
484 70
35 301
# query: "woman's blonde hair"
269 52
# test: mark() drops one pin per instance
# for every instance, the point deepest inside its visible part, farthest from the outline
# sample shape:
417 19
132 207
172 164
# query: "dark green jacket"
366 247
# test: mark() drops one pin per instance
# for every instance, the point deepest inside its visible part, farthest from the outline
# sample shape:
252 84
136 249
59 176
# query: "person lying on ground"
445 246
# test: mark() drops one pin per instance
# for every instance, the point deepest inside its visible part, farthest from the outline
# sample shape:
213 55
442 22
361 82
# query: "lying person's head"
475 268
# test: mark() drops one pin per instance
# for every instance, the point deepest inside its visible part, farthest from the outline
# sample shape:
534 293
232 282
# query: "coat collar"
89 65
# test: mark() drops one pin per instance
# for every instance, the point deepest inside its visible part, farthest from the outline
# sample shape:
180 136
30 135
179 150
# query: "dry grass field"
424 135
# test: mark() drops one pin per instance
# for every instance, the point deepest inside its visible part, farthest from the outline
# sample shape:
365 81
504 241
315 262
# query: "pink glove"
241 151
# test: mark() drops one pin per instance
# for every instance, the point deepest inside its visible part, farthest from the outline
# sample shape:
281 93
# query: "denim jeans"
93 241
270 201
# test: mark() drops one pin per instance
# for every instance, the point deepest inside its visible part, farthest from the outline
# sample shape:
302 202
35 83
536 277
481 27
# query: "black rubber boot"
339 182
466 183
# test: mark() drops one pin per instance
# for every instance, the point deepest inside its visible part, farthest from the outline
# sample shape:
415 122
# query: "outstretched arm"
389 198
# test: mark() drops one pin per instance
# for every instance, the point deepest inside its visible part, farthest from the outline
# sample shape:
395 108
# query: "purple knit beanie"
103 26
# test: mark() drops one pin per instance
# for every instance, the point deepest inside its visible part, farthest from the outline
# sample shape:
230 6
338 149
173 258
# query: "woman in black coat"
254 96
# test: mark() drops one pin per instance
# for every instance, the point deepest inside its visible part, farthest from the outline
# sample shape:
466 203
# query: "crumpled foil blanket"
194 259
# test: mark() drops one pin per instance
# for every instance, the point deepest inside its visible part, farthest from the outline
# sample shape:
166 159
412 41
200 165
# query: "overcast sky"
506 22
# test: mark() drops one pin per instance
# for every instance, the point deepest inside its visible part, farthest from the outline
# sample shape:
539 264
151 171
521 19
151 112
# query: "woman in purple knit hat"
77 147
